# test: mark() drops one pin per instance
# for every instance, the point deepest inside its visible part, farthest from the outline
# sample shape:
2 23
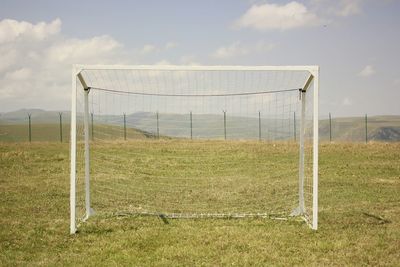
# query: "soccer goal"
194 142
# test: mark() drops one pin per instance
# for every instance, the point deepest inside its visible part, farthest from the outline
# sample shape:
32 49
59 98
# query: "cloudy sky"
355 42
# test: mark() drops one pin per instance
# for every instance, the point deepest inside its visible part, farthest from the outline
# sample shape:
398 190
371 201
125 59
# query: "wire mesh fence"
54 126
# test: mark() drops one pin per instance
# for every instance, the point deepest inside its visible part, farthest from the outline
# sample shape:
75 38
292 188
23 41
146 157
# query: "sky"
355 43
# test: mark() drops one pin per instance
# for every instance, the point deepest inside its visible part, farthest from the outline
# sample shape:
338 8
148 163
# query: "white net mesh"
200 143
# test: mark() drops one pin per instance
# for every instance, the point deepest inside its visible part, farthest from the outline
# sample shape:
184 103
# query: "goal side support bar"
87 147
300 210
76 74
315 73
72 191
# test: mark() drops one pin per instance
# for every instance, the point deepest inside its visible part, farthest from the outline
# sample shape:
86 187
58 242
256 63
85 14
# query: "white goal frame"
76 75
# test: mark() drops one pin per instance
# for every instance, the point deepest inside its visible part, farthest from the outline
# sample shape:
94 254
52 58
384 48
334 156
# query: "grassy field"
359 214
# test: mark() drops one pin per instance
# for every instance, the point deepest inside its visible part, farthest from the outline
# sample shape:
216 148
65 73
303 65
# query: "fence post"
330 127
30 127
124 126
191 126
294 126
224 123
61 137
91 118
366 128
259 125
158 129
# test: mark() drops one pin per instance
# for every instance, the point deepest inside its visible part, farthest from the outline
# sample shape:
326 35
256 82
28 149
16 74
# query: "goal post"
315 149
72 196
301 208
180 112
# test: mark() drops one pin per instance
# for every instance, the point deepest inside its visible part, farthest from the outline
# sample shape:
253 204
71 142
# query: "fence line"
355 129
30 127
61 137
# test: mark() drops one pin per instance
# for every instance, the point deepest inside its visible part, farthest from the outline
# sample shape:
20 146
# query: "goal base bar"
201 215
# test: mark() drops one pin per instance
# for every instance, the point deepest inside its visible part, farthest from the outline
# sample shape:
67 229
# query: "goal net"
194 142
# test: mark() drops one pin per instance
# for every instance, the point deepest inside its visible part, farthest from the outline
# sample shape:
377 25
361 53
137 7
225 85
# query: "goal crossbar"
311 68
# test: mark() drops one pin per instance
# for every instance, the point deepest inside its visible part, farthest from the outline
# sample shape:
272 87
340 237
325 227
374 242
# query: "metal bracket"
301 90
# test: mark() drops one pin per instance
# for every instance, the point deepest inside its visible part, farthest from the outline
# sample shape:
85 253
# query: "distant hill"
386 133
45 125
352 129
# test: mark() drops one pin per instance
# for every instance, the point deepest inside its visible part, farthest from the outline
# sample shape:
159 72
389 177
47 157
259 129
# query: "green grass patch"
358 226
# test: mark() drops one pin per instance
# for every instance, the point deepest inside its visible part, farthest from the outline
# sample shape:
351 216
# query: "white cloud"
263 46
189 60
347 101
170 45
238 49
20 74
36 62
148 48
151 48
82 50
163 62
231 50
349 7
367 71
278 17
339 8
8 57
10 30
